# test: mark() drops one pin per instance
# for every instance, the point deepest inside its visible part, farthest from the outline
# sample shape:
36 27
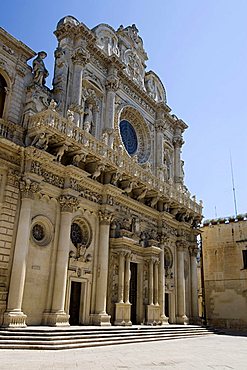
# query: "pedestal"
153 314
123 314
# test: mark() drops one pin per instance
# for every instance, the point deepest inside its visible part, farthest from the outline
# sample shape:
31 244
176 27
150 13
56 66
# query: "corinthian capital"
181 245
112 83
80 57
28 188
68 203
178 141
193 249
105 217
160 125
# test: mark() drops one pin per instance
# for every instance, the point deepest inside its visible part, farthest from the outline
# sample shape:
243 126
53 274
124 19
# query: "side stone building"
224 246
96 224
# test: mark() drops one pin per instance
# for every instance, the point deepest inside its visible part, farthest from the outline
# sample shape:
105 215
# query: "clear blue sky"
199 50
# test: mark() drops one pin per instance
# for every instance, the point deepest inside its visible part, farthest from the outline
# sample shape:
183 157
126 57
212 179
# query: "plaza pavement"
208 352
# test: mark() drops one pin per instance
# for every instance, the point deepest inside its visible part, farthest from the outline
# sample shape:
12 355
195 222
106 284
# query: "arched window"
3 85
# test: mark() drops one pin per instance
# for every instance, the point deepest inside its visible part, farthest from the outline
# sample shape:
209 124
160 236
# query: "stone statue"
40 73
60 152
41 141
88 118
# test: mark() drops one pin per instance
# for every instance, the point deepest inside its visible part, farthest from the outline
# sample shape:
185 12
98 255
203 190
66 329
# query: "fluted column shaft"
127 278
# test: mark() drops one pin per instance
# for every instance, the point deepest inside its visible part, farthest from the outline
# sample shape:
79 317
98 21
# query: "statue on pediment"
40 73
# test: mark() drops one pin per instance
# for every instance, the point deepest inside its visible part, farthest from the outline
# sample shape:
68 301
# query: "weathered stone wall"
9 194
224 276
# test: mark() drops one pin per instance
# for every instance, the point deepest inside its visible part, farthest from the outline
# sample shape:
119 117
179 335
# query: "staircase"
48 338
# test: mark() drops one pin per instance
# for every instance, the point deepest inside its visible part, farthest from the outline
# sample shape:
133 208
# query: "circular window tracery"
128 136
80 233
41 231
134 133
38 232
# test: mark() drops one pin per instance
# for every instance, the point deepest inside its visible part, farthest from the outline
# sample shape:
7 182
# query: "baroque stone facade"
96 224
224 246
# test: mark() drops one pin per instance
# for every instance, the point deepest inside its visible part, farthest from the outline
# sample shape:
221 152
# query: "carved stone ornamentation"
40 73
81 57
68 203
28 188
105 217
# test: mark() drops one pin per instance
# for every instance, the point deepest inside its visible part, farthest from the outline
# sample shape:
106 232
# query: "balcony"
62 131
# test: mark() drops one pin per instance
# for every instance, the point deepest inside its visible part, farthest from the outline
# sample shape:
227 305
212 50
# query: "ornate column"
156 283
151 282
163 318
101 317
181 316
193 249
123 307
14 317
177 142
80 58
127 279
160 126
153 310
112 83
121 277
58 317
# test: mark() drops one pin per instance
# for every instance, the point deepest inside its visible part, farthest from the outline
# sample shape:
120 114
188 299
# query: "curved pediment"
106 39
154 87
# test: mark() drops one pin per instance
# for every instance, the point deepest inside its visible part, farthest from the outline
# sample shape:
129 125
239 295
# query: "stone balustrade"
53 123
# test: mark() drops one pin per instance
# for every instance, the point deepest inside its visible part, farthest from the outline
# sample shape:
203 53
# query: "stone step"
55 338
86 334
94 343
93 337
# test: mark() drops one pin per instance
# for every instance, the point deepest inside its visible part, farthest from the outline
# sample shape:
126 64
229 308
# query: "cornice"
17 45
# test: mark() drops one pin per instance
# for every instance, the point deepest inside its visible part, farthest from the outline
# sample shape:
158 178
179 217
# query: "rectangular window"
245 258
